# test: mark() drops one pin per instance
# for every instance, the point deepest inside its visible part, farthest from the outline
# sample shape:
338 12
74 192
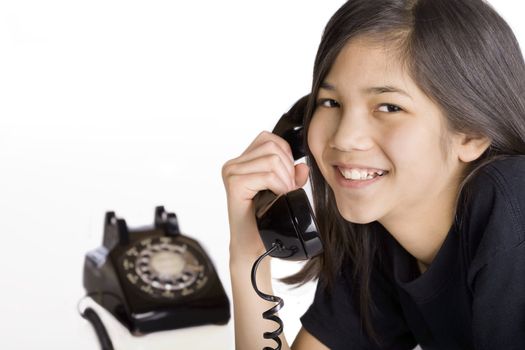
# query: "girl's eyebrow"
327 86
386 88
370 90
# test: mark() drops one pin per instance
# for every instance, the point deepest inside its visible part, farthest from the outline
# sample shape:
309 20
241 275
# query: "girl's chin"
358 221
356 217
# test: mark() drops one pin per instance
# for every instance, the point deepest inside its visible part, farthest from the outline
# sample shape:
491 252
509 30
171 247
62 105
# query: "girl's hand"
267 163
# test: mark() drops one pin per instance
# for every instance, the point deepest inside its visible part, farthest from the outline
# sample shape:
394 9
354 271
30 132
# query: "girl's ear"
471 147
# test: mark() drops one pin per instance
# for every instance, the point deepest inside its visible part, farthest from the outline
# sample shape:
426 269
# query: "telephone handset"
153 278
288 220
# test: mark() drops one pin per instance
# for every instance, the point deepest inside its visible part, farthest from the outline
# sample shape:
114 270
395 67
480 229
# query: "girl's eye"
390 108
327 102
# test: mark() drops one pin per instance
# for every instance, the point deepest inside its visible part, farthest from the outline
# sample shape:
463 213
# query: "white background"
125 105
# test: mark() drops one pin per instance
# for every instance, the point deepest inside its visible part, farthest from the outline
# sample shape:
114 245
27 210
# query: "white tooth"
359 174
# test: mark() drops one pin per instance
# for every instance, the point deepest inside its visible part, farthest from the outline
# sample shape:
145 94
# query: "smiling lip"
346 183
356 166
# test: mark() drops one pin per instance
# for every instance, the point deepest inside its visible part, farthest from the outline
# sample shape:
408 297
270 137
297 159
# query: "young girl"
416 135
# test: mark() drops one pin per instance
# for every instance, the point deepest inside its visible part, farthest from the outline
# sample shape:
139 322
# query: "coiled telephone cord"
270 314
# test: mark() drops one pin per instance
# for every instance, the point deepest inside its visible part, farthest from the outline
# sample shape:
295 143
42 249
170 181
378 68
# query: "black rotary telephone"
153 278
286 222
288 219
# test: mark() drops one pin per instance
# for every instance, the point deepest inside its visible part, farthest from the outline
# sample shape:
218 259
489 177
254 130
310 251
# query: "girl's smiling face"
371 116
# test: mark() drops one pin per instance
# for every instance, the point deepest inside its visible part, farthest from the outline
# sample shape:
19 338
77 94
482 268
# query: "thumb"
301 174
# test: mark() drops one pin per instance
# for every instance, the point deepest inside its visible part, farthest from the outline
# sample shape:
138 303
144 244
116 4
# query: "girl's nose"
353 133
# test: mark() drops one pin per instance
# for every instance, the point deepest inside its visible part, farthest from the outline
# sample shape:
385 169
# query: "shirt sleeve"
498 307
333 318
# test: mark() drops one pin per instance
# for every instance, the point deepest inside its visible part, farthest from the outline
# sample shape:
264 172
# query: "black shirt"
472 296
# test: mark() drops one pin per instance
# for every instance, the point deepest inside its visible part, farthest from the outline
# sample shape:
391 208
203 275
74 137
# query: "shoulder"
501 183
509 169
494 204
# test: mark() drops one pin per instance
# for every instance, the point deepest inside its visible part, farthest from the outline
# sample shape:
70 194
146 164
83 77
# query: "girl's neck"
423 231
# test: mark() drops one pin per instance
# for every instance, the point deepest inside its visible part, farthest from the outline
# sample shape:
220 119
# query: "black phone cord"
102 334
91 315
270 314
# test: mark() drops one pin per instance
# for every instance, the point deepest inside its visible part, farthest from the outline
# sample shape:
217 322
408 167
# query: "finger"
245 187
263 164
301 174
266 136
266 148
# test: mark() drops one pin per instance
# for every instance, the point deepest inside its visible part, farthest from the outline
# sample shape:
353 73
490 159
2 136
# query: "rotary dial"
164 267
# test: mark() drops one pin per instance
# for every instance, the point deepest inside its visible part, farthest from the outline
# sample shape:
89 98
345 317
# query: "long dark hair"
465 58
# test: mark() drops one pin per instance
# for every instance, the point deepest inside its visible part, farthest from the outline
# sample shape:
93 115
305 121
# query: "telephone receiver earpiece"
291 127
288 220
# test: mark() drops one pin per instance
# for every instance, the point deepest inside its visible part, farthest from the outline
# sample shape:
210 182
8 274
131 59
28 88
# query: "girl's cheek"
396 142
318 138
406 144
315 135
